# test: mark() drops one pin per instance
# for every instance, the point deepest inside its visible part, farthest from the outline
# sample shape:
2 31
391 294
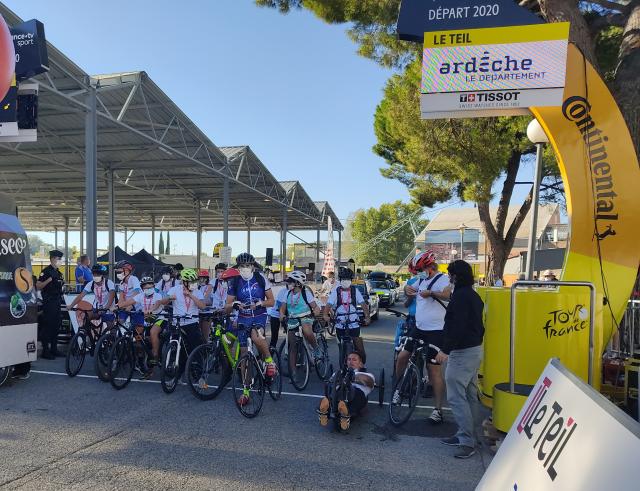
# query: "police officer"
50 284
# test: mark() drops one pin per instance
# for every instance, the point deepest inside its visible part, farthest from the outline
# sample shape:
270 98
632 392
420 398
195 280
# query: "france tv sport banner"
566 437
493 72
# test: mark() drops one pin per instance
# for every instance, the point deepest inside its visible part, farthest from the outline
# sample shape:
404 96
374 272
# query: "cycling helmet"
147 280
345 274
189 275
99 269
221 266
412 263
245 258
427 258
124 264
203 273
230 273
297 276
168 270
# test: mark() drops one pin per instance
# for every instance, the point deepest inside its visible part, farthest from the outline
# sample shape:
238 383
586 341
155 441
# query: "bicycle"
85 340
105 344
410 385
173 351
407 323
210 365
297 369
130 351
249 375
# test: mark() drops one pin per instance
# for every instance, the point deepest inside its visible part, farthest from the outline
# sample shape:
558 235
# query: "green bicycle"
210 365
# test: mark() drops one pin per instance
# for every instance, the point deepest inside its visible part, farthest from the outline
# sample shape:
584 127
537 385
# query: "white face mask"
97 279
246 273
289 286
422 274
166 277
193 287
120 276
149 291
345 283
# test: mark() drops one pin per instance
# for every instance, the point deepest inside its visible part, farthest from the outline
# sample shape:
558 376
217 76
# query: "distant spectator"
83 272
549 276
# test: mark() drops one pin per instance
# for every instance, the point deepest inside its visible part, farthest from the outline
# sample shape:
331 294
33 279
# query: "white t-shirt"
219 296
168 285
144 303
345 306
367 390
281 298
183 305
100 296
129 287
429 313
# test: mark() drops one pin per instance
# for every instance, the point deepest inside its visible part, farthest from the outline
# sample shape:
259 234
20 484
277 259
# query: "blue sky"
291 87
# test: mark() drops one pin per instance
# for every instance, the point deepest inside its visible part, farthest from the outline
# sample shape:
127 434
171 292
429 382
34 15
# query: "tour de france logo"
563 322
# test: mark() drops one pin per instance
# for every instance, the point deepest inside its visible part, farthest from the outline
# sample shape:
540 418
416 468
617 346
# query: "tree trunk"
626 85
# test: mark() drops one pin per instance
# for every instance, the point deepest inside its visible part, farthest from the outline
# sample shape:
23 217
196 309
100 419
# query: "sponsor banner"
479 60
485 103
420 16
567 436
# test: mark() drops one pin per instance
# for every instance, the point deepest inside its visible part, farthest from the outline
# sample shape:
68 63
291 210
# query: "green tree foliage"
160 245
35 242
368 224
167 250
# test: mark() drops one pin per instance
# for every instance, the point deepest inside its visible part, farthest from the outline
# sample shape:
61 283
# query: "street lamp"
536 134
462 227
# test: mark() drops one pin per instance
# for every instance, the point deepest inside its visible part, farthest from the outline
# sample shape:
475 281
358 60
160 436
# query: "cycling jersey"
163 287
219 294
96 293
345 306
129 287
412 306
281 298
296 308
183 304
247 292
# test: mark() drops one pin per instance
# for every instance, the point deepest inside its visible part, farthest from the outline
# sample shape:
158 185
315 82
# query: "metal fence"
627 342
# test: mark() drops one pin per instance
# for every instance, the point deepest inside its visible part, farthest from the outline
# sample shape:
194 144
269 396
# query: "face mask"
289 286
246 273
166 277
120 276
422 275
149 291
193 286
202 282
345 283
97 279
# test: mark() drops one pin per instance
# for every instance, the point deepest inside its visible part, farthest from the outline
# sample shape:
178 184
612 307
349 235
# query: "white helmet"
298 276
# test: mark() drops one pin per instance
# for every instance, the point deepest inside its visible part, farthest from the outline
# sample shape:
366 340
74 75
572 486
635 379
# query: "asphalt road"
63 433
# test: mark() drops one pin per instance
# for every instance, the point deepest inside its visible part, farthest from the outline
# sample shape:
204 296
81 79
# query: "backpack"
233 284
430 285
353 297
106 285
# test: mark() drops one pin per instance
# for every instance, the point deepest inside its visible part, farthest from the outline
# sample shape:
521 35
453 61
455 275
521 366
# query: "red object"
7 59
203 273
423 260
230 273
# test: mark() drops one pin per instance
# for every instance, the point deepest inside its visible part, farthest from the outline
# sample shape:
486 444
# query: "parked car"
385 290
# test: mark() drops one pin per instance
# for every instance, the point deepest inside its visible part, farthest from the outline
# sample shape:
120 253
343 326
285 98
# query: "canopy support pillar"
67 270
316 271
249 236
112 224
283 245
199 232
153 235
81 226
91 172
225 212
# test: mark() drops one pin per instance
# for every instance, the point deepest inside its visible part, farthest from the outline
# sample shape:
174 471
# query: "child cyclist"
149 302
100 292
206 289
252 292
167 281
298 309
128 287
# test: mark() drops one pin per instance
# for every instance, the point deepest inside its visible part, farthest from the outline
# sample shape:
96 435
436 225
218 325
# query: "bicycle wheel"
284 358
207 372
322 363
76 353
170 368
103 354
274 384
121 363
4 374
299 366
406 392
248 382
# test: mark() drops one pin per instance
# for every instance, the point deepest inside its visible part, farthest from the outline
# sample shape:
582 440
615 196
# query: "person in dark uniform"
50 284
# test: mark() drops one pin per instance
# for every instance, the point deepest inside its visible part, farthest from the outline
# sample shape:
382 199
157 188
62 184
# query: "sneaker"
396 397
345 418
323 411
465 452
451 441
271 370
436 417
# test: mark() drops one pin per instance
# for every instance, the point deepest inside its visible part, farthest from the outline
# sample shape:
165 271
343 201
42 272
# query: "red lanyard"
346 305
146 307
187 301
98 291
297 299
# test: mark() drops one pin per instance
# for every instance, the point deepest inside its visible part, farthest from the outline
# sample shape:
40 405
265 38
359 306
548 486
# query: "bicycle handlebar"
397 313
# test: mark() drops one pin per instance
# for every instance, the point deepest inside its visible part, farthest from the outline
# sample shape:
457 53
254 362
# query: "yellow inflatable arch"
600 171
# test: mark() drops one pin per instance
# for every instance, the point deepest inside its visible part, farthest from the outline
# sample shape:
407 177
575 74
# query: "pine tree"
168 249
161 248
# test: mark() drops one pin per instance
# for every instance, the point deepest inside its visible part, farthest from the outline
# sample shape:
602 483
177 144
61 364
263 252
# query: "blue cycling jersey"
247 292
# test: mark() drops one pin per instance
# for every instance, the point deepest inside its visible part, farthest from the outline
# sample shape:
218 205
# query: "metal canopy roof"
163 165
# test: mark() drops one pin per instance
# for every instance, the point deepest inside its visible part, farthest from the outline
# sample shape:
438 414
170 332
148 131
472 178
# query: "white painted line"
295 394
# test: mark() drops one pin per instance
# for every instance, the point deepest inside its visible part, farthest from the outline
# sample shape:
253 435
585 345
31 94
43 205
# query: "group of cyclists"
241 293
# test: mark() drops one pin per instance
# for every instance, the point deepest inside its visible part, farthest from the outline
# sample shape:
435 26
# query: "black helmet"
147 280
99 269
221 266
167 270
124 264
345 274
245 258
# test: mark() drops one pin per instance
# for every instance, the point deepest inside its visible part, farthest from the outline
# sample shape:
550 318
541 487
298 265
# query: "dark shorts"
244 327
353 332
435 338
136 318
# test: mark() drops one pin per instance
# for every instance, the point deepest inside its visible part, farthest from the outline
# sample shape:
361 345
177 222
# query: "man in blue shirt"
83 272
